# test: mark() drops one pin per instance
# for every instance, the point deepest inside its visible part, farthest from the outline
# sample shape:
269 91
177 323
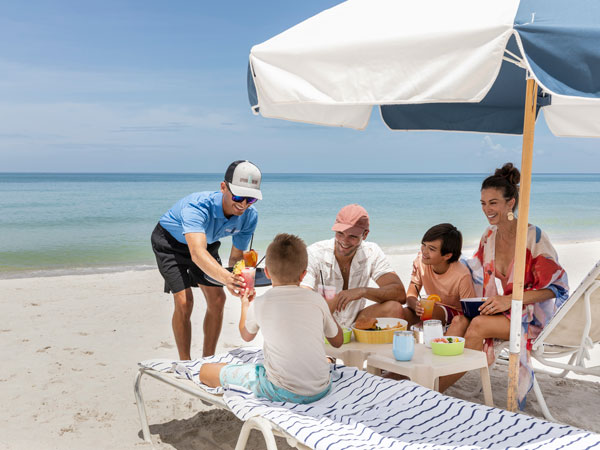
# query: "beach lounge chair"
364 411
571 333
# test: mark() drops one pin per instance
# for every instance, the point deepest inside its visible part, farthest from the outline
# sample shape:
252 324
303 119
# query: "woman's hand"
496 305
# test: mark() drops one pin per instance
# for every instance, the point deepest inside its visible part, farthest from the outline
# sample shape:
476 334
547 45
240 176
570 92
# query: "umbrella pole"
521 245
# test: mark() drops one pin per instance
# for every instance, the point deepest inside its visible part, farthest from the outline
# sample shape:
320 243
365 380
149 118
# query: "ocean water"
64 223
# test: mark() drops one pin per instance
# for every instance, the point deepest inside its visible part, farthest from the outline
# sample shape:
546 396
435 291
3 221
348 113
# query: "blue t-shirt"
202 212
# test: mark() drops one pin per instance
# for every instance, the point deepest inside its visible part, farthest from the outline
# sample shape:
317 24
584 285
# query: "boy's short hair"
286 258
451 239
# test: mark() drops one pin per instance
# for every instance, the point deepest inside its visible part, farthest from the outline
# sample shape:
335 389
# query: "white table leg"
487 386
373 370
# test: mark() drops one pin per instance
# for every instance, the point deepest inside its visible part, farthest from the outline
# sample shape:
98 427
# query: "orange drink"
428 306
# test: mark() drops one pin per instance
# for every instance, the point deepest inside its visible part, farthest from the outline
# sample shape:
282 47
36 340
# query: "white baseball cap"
243 179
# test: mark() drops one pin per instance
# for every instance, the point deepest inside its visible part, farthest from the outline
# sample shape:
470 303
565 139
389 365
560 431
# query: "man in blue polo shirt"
186 244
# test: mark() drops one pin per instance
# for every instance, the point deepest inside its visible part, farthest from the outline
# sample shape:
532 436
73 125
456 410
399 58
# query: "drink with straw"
428 304
327 291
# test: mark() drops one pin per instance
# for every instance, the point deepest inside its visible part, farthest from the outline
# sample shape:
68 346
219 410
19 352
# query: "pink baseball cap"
352 219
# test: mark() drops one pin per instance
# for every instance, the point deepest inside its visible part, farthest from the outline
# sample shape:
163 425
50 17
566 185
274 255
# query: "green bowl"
347 335
449 349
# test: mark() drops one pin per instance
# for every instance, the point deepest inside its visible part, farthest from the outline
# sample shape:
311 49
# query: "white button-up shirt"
369 263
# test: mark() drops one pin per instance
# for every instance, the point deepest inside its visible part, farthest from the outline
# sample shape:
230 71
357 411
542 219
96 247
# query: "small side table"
425 368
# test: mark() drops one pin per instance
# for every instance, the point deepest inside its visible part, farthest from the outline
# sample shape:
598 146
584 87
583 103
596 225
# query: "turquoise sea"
77 223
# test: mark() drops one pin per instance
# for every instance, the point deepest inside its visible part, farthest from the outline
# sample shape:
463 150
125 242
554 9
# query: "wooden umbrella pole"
521 245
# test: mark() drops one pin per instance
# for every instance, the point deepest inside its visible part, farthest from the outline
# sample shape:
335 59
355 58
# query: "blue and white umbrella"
452 65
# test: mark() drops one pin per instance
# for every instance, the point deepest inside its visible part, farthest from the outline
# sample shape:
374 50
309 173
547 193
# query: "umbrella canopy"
435 65
462 65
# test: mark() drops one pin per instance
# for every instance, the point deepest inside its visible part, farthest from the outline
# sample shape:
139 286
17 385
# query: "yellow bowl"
381 336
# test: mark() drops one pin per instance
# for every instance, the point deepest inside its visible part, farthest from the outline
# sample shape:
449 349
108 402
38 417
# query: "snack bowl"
442 346
380 336
347 335
470 306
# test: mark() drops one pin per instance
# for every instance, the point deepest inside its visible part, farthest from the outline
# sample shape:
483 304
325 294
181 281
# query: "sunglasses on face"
240 199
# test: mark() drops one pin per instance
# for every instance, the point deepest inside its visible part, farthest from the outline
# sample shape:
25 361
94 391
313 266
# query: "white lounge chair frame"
266 427
566 335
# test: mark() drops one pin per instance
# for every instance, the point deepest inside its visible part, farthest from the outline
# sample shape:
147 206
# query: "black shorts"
175 262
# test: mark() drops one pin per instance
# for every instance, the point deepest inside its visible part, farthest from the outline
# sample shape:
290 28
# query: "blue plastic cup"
403 345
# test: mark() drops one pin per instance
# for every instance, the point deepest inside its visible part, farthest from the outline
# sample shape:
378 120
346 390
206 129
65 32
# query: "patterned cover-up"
542 271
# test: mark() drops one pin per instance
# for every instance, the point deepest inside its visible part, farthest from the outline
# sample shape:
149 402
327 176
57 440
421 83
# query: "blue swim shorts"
254 378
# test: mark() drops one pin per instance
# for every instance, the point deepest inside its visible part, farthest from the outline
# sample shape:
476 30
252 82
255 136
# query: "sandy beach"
70 347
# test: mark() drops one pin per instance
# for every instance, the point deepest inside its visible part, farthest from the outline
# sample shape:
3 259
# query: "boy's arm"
338 339
246 335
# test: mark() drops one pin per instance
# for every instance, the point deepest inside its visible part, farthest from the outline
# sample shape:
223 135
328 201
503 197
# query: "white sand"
70 345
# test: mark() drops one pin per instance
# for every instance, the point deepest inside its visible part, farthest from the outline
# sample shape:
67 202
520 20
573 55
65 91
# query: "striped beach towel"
364 411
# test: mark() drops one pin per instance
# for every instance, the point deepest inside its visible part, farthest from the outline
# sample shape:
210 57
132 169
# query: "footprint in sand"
42 350
164 344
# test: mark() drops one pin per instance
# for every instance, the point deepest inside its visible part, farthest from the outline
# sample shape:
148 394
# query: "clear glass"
327 291
403 346
432 329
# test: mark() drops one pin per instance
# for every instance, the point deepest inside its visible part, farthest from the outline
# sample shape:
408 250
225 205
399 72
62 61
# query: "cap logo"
248 180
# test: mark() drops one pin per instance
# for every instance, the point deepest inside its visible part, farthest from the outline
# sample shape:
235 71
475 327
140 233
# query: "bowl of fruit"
448 345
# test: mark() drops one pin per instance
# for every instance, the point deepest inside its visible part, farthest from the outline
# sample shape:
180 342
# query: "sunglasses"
240 199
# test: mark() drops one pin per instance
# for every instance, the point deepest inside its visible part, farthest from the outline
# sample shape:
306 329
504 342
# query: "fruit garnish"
434 297
238 267
251 258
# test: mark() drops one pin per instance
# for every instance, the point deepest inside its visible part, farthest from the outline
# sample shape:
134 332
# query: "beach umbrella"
450 65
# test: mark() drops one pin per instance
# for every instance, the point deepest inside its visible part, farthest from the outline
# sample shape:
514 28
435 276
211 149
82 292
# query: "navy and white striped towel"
364 411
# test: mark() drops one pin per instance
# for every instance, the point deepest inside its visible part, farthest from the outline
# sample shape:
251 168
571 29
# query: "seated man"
437 269
348 262
294 323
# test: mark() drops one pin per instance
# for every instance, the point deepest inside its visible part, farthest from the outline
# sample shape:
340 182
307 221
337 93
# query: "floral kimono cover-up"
542 271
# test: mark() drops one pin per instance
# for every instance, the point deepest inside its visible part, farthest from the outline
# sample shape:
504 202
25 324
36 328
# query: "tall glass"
248 274
327 291
432 329
428 306
403 345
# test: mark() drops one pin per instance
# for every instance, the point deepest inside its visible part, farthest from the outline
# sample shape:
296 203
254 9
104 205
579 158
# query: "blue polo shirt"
202 212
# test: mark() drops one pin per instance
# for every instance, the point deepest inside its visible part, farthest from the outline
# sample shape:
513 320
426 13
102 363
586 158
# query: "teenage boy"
186 245
438 270
350 263
294 322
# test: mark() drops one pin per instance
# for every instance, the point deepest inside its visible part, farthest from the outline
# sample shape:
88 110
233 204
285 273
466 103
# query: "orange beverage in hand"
428 304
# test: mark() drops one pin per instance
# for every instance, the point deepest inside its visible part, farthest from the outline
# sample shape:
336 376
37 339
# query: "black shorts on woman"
175 261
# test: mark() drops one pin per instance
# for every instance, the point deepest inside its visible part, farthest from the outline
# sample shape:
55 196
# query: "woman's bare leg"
481 328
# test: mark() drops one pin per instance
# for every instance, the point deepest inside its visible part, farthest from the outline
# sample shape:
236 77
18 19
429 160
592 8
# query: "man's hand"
344 298
235 284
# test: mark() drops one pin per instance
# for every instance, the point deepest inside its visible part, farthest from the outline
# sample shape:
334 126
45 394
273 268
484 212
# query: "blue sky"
149 86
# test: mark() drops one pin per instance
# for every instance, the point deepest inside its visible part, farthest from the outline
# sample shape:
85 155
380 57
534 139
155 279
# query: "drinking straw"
251 241
322 282
261 260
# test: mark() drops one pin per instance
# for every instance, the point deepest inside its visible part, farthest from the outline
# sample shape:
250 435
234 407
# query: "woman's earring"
510 216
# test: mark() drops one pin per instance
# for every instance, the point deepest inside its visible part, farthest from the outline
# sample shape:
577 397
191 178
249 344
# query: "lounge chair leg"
256 423
542 401
139 400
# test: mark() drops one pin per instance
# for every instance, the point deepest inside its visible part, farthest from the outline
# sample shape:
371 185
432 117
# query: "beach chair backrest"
568 324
